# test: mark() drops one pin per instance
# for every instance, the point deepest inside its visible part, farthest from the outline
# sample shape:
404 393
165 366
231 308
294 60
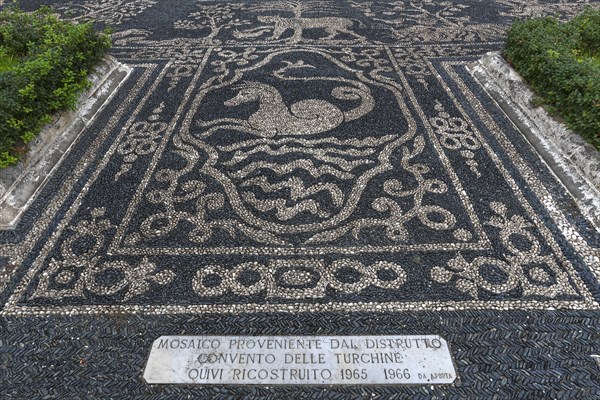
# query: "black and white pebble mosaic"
290 168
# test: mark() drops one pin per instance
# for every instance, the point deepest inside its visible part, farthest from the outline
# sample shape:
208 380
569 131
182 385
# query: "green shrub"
46 64
561 61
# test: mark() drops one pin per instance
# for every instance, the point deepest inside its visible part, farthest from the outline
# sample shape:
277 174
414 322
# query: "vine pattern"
111 12
455 134
429 21
80 270
142 139
524 267
394 223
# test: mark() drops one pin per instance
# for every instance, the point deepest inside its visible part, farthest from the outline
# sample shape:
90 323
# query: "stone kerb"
20 183
574 161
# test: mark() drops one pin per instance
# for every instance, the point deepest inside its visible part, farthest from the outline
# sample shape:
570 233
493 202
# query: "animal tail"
352 93
251 33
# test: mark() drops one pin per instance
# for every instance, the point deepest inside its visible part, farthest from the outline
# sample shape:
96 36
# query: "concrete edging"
19 184
574 161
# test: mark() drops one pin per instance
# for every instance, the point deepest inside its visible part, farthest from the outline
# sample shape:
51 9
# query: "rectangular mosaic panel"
278 163
301 181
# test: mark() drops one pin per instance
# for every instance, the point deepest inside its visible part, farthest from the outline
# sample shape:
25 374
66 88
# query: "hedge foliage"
53 59
561 61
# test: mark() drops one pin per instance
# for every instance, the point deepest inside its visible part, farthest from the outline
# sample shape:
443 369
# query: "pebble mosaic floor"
301 167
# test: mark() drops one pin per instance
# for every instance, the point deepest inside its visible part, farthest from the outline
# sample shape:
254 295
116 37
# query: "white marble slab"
300 360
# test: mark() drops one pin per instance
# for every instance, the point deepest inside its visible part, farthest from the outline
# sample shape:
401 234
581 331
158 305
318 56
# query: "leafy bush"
561 61
46 62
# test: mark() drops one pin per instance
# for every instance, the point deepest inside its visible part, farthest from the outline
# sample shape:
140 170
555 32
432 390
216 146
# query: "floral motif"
431 21
539 8
212 18
80 268
524 267
112 12
137 280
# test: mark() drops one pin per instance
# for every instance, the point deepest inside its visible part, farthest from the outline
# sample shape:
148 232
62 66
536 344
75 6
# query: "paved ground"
301 167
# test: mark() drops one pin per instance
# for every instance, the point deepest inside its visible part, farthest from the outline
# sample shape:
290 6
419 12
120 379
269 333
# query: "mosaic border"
588 304
578 247
55 205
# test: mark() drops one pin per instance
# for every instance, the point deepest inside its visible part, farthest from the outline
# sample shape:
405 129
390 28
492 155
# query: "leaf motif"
419 145
164 277
329 235
497 222
498 208
458 263
136 288
519 221
144 268
441 275
468 287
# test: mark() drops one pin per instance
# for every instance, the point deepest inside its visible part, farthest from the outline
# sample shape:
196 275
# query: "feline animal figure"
334 26
304 117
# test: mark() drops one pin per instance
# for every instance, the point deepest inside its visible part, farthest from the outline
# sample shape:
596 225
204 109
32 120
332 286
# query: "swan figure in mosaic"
305 117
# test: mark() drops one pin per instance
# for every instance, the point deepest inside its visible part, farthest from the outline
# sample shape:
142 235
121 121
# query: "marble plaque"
300 360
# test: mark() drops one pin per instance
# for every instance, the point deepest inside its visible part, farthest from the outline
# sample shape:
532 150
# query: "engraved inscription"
300 360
